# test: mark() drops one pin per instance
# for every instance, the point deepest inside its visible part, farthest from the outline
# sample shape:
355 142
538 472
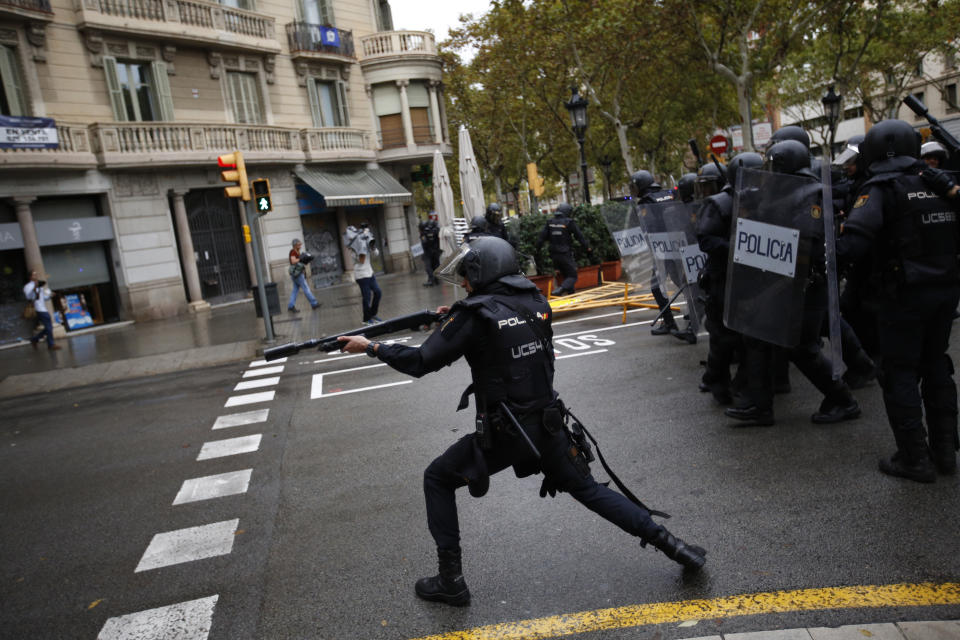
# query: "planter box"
541 282
611 270
588 277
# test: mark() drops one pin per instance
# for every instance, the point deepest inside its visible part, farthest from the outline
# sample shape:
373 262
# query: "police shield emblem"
774 235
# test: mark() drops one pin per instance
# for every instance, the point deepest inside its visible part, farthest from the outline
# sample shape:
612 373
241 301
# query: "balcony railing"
303 36
75 150
398 43
29 5
195 13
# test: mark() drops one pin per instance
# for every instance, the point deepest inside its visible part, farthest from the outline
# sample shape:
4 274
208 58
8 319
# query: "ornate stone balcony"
397 45
118 145
182 21
29 9
306 41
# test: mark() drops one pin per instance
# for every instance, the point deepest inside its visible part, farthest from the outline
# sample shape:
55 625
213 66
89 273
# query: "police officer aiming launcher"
503 330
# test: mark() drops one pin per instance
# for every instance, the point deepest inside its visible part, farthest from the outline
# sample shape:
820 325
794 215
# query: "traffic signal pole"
251 215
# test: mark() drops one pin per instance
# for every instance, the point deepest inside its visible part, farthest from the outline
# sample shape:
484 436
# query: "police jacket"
914 231
558 231
713 230
655 196
504 333
430 236
498 230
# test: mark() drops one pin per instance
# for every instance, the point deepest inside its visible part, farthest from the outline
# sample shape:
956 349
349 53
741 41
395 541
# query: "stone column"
443 113
375 119
31 248
435 110
188 257
405 113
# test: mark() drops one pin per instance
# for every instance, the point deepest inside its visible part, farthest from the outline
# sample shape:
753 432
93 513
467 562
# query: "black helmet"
685 187
786 156
710 180
483 261
850 153
936 150
745 160
492 213
641 182
478 224
563 209
890 145
790 132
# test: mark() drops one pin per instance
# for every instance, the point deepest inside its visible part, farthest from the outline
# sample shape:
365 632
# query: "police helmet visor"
451 270
848 155
706 186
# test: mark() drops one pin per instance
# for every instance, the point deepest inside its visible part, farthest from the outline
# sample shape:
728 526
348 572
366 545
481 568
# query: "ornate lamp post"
831 109
577 106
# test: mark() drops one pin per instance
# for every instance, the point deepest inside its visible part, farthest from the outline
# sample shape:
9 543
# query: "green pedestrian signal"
261 195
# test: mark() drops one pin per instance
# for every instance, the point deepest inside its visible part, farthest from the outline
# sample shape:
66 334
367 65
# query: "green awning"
356 187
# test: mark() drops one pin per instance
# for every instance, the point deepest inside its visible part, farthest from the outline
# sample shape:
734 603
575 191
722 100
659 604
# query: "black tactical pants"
431 260
656 288
724 345
563 262
914 334
447 473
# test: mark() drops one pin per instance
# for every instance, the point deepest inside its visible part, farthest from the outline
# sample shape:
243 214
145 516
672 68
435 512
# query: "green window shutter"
10 73
162 85
342 100
314 102
113 88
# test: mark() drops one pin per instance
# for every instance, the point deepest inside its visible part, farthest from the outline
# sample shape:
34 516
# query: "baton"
509 414
670 302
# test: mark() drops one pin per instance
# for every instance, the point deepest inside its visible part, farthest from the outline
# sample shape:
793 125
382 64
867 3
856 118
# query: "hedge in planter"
525 232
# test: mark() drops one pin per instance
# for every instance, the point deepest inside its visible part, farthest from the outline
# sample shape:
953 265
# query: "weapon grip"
282 351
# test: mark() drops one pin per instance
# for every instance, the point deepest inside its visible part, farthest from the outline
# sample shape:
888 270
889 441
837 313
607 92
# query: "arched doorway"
218 245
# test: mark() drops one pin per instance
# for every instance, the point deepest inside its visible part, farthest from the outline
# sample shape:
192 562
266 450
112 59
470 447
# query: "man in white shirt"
363 273
37 292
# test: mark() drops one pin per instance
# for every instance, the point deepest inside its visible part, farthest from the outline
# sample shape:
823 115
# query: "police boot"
943 442
912 459
689 555
688 335
448 585
666 325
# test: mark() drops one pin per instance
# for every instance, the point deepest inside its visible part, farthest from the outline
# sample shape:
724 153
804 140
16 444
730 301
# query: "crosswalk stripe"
238 419
263 363
182 621
218 486
229 447
257 383
187 545
264 371
250 398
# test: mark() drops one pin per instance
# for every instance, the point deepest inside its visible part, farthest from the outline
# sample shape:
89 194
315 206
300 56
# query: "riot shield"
623 222
777 229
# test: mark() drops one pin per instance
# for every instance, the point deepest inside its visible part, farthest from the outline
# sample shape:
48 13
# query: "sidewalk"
224 334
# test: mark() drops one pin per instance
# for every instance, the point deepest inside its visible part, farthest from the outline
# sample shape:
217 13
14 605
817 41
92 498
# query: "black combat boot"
689 555
448 586
666 325
912 459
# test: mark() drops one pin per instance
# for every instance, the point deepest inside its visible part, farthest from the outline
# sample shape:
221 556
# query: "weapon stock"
696 151
936 128
330 343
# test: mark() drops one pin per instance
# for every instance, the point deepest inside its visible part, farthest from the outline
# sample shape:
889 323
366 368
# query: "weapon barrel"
401 323
284 350
696 150
917 107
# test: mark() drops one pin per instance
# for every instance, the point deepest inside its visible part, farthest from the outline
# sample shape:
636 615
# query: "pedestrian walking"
37 293
297 272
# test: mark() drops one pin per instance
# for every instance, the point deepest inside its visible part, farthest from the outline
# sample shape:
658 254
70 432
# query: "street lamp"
831 109
605 163
577 106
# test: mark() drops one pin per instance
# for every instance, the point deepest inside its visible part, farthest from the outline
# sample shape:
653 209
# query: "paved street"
284 500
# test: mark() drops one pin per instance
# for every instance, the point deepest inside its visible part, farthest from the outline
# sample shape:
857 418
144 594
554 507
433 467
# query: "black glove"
547 486
940 181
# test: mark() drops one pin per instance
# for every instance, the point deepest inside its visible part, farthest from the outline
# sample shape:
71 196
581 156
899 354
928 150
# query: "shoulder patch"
453 323
816 212
862 200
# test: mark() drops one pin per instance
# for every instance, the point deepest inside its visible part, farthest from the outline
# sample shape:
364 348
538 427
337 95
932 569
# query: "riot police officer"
685 187
521 422
914 232
559 231
934 154
430 242
495 226
478 228
713 236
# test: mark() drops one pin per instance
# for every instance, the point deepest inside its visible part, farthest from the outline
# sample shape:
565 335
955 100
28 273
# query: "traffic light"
237 173
246 234
534 180
261 195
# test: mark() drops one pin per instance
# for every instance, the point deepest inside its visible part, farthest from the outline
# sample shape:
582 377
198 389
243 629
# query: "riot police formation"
646 190
559 232
478 228
902 219
685 187
430 243
523 425
495 226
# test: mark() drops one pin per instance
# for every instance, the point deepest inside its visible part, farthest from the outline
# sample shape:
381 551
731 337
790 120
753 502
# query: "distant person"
361 243
430 243
559 231
37 292
297 272
934 154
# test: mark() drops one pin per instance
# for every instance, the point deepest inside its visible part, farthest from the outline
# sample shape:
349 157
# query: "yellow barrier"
625 295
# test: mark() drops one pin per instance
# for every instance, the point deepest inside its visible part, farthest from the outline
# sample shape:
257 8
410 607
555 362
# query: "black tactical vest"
559 234
921 231
516 366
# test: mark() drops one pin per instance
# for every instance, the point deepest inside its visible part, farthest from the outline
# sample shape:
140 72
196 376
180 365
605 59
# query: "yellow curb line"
894 595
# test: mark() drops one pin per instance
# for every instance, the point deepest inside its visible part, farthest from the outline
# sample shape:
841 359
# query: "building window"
139 91
950 95
248 5
420 115
384 15
244 96
12 100
328 103
918 70
386 103
919 97
317 12
950 59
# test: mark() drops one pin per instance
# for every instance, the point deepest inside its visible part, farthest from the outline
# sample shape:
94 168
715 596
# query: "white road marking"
265 371
218 486
316 386
610 328
237 419
257 384
264 396
229 447
182 621
187 545
582 353
261 363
